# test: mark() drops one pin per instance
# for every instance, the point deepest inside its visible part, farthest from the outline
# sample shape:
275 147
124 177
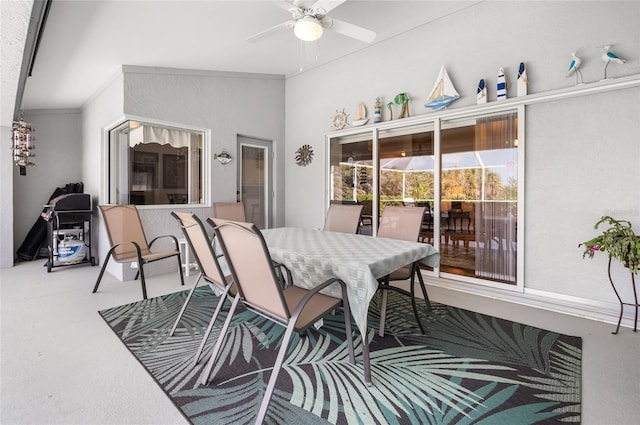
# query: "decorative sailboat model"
443 92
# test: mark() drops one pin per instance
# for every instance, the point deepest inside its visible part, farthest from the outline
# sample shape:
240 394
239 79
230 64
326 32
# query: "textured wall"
564 138
227 103
58 162
14 22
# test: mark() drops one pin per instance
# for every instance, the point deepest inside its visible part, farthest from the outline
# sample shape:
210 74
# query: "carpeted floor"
468 368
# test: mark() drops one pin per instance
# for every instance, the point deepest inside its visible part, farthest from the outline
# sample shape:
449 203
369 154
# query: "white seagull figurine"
574 66
609 57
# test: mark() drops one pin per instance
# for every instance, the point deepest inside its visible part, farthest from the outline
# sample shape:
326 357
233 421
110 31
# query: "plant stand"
622 304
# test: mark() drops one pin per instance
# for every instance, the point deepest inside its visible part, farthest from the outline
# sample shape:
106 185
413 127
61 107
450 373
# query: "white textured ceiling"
85 42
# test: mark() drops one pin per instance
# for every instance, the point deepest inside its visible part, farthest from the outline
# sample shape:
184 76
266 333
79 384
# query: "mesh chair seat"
129 243
260 290
229 211
402 223
403 273
210 271
313 311
343 218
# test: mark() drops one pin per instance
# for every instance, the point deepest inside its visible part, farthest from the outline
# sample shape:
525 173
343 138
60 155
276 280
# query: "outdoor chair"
343 218
402 223
233 211
261 291
129 243
210 270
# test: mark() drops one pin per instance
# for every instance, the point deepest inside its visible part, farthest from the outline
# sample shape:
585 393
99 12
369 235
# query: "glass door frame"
267 147
436 120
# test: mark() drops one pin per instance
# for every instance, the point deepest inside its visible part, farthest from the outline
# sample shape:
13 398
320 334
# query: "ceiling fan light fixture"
308 29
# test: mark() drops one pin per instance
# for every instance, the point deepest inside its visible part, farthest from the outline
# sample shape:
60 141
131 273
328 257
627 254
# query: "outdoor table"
314 256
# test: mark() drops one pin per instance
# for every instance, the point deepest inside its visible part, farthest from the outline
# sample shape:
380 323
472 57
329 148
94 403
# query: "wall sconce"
223 157
22 145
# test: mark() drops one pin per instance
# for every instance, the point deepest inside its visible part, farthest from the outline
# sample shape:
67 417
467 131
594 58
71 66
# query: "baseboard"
600 311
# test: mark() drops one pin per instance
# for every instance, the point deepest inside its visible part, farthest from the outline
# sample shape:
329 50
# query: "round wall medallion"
339 120
304 155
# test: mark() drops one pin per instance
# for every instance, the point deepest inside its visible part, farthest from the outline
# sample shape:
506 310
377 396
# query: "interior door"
254 179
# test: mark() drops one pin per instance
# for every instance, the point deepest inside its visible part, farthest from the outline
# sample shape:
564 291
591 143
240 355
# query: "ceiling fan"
309 18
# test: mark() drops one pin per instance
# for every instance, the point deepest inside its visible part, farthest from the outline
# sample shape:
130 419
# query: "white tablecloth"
314 256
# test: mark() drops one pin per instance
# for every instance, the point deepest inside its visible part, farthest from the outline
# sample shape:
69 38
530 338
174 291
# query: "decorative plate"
339 120
304 155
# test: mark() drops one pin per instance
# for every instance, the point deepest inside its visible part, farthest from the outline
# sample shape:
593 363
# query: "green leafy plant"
619 241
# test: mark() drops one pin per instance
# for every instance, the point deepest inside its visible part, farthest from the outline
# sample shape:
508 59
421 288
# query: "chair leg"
104 267
206 374
143 283
180 269
423 288
383 310
347 323
275 372
184 306
212 322
413 300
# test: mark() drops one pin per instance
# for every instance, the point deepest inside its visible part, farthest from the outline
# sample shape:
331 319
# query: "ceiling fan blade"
285 5
352 31
283 26
327 5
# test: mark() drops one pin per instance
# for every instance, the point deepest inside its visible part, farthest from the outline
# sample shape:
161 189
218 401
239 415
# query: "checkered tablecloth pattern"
314 256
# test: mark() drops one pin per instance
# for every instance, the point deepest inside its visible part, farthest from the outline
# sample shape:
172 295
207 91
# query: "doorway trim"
268 196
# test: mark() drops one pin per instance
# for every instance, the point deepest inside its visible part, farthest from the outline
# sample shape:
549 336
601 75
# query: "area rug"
469 368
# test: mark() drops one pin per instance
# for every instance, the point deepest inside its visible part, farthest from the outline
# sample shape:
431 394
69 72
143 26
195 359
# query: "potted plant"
619 241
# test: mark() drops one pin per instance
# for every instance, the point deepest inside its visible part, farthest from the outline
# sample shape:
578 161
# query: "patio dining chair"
402 223
229 211
343 218
260 291
210 270
129 243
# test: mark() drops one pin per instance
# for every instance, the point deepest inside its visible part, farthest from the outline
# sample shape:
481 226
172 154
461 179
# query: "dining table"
313 256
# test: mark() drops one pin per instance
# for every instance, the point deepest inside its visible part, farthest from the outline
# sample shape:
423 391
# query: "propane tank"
71 250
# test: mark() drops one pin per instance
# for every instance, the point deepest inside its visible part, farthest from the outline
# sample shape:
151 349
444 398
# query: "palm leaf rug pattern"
468 368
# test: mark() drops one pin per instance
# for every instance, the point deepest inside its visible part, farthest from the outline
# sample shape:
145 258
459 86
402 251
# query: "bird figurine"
574 67
522 80
609 57
481 93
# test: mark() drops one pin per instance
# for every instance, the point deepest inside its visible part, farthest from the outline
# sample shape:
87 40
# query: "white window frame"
106 189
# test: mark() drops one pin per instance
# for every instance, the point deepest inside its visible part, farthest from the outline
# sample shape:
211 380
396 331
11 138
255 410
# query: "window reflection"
155 165
471 217
479 197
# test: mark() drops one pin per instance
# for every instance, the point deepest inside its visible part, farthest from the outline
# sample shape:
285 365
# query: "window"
465 171
151 164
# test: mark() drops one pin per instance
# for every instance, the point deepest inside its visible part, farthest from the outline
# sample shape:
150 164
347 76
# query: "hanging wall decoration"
222 157
304 155
22 145
339 120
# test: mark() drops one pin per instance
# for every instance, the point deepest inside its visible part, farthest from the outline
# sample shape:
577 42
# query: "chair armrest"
315 290
175 240
278 268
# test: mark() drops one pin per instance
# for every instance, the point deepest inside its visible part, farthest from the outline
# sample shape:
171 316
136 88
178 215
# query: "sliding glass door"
479 197
466 172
